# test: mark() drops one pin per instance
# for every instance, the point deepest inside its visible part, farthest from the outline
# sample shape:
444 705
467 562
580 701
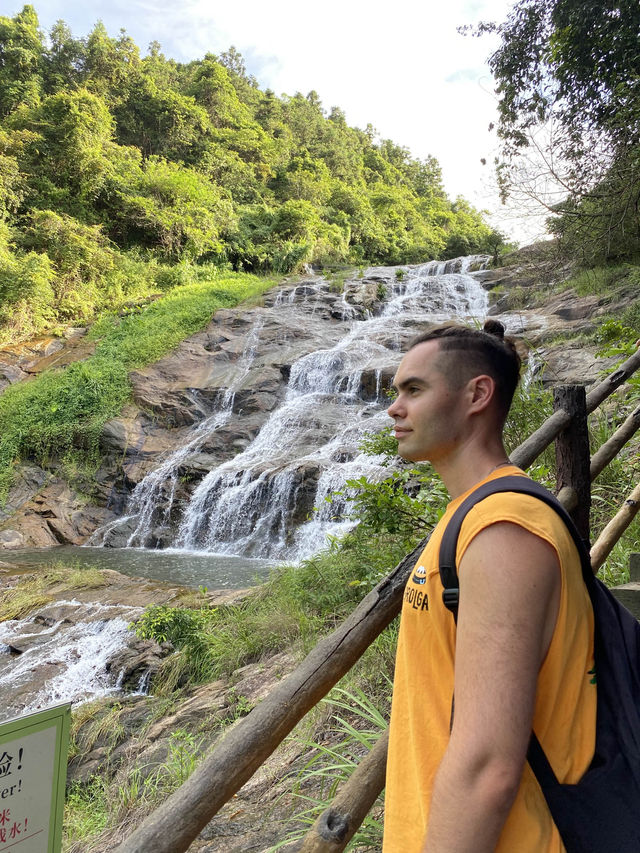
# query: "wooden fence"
256 736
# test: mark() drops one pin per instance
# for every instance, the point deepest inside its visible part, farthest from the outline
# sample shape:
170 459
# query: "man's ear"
482 391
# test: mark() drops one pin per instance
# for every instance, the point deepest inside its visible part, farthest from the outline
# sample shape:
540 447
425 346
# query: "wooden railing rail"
539 440
610 449
614 529
175 824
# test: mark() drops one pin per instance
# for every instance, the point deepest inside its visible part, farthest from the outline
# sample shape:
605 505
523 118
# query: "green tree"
109 63
26 290
161 122
67 157
212 88
13 183
64 60
171 208
21 52
572 67
576 61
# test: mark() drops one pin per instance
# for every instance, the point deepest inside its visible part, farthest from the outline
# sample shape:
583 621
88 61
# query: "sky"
400 66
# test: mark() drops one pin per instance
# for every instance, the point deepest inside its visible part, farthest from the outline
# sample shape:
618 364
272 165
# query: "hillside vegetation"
118 171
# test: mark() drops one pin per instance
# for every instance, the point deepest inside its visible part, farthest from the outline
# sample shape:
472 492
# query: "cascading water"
160 484
269 499
61 656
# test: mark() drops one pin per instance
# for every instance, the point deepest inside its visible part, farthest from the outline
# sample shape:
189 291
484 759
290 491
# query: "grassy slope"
61 412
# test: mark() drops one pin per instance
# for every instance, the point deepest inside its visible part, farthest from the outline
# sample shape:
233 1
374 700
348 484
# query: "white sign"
33 766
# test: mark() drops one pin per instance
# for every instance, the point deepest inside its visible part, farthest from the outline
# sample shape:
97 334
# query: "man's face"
427 411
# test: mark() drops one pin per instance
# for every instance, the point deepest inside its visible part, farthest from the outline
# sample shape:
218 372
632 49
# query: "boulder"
573 365
55 515
27 482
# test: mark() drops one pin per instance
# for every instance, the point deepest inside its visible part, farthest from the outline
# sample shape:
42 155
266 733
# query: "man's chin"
406 454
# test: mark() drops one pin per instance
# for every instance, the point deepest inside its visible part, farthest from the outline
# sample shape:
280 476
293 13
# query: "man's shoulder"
528 512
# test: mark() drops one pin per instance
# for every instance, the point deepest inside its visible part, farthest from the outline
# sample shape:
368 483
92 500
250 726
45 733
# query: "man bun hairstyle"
471 352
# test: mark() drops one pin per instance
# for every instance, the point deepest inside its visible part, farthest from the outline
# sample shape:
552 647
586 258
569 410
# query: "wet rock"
54 515
9 374
573 365
27 482
306 482
373 382
61 613
364 293
135 666
247 402
19 361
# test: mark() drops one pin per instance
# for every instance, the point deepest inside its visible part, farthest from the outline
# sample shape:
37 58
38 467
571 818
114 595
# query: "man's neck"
468 466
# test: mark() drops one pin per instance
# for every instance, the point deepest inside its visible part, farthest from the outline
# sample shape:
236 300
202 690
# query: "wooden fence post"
572 453
336 826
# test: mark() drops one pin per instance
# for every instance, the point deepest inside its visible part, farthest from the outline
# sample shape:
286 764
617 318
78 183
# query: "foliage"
184 628
94 806
532 404
137 162
572 59
406 503
86 811
569 108
603 279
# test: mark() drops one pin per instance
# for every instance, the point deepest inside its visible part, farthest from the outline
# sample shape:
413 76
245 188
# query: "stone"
11 539
27 482
54 515
573 365
135 665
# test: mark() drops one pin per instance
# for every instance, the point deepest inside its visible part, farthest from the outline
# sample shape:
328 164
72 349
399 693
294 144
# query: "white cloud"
401 67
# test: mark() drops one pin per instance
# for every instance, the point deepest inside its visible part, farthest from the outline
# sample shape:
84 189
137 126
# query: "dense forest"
119 173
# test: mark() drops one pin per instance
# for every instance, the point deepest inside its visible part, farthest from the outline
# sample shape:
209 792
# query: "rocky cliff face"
309 361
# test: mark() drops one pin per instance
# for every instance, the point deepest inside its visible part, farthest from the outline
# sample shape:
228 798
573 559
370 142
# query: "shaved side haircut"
471 352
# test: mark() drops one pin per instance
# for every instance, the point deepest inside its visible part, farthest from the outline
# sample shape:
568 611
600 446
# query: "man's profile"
521 656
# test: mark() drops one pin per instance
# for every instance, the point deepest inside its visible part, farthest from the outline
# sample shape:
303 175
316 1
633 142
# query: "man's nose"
394 408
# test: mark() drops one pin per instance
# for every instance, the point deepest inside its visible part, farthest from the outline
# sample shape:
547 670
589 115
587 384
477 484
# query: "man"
521 656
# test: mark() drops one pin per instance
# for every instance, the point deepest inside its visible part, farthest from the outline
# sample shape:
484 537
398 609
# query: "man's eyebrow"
410 380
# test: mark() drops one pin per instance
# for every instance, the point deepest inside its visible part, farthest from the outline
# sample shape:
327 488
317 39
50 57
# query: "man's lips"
400 432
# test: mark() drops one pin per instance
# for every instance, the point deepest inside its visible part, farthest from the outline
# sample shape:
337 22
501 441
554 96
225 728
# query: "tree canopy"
570 71
159 162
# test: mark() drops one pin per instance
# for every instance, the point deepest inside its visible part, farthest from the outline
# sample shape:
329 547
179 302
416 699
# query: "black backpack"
601 813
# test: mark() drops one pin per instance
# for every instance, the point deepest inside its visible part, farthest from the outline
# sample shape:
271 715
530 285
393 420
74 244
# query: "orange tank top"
565 710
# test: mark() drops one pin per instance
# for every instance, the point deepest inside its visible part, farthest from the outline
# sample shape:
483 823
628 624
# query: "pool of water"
215 571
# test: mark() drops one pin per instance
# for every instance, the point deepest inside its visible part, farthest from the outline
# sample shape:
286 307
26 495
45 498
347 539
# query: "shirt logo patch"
420 575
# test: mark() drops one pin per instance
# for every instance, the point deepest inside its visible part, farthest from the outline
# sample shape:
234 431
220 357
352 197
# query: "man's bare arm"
509 595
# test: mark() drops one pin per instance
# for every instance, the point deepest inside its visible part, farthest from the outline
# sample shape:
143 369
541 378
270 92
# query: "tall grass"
603 280
355 724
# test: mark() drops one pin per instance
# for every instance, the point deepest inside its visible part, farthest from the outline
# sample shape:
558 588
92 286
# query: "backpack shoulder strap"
513 483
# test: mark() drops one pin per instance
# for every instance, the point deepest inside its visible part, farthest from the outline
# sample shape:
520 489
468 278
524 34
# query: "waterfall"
269 499
160 484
